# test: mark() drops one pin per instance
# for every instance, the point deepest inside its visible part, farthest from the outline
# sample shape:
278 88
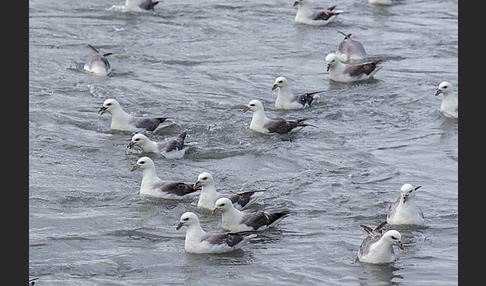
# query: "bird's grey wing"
349 47
282 126
322 15
148 4
306 98
241 198
255 219
231 239
325 14
171 144
149 123
359 69
176 188
364 248
393 208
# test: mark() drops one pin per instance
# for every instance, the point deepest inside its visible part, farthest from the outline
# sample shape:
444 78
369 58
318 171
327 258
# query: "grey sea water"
200 63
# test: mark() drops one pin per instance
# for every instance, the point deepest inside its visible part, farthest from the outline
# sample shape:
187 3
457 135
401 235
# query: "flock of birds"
239 224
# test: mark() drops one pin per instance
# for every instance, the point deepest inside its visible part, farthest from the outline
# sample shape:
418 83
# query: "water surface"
200 63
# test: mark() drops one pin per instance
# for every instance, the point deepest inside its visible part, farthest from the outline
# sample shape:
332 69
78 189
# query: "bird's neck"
284 92
150 146
194 234
303 11
383 249
448 101
259 119
231 216
208 196
119 117
149 176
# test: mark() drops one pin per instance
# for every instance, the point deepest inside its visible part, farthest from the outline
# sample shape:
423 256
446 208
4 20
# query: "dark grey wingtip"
366 228
183 135
380 226
93 48
346 36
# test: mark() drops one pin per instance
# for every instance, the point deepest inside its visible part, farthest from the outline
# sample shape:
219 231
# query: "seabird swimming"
349 72
377 248
449 106
98 64
261 123
199 241
381 2
120 120
141 5
350 50
209 195
234 220
172 148
153 186
287 100
405 210
320 18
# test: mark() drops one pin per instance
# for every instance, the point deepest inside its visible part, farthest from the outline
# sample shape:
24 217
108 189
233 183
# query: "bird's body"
172 148
287 100
120 120
318 18
381 2
141 5
98 64
153 186
449 106
377 248
209 195
349 72
199 241
262 124
350 50
234 220
405 209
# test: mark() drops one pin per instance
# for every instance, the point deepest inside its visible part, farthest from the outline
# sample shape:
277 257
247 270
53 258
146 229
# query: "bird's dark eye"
393 237
109 104
280 81
445 87
205 178
252 104
221 205
186 219
141 162
138 139
410 191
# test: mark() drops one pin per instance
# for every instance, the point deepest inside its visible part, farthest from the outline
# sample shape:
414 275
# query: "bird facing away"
377 248
319 18
120 120
350 50
449 106
287 100
98 64
349 72
199 241
234 220
261 123
209 195
171 148
153 186
141 5
405 210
